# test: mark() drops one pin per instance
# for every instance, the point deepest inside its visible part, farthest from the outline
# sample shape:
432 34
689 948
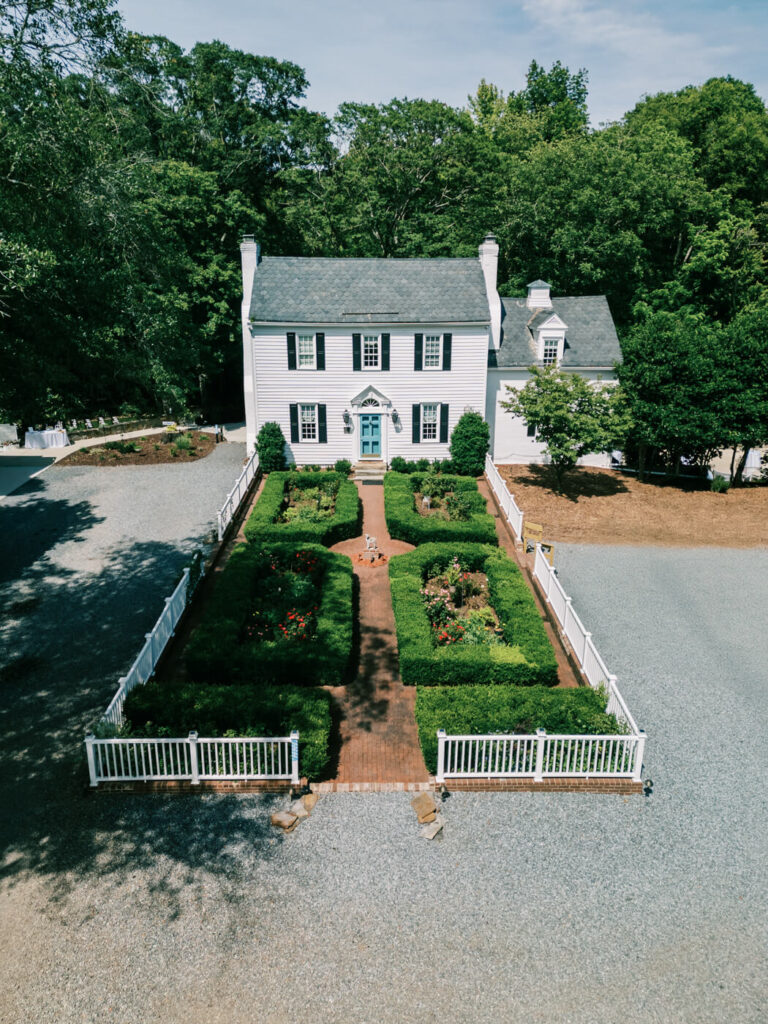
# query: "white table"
46 439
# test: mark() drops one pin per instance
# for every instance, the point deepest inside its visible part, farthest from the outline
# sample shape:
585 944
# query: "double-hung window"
370 351
432 353
550 349
429 422
306 351
308 422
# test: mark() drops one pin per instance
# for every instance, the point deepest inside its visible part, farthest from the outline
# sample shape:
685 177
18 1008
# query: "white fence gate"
227 511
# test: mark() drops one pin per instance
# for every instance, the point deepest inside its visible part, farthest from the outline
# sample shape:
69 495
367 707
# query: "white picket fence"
192 759
227 511
544 755
154 644
538 757
506 500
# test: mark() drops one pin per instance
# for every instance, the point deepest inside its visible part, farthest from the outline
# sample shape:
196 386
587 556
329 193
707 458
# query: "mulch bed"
153 449
604 506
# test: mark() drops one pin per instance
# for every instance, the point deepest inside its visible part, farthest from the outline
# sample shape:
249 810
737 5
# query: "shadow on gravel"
29 530
61 654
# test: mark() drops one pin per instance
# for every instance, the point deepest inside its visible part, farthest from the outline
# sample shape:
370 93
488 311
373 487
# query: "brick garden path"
379 740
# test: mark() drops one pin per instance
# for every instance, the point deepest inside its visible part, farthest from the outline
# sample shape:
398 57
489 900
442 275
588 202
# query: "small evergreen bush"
270 447
470 442
343 466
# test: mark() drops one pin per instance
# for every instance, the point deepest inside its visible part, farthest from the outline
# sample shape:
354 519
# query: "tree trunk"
642 452
736 480
733 459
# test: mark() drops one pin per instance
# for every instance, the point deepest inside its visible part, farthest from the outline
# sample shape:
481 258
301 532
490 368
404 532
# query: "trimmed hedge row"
526 657
469 710
346 521
216 654
177 708
405 523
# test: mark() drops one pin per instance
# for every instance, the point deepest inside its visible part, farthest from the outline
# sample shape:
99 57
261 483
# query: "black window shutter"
291 339
322 425
294 424
356 358
447 344
443 424
416 424
320 345
385 351
418 351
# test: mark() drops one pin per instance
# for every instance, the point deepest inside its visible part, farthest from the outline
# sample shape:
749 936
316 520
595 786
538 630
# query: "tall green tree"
573 417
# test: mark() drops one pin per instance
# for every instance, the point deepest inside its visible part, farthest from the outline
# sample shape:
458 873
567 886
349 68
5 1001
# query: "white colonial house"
368 359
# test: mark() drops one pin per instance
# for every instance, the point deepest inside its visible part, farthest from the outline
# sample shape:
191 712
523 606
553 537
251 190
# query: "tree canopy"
129 168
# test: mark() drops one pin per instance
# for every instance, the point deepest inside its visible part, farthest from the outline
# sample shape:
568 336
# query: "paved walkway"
379 740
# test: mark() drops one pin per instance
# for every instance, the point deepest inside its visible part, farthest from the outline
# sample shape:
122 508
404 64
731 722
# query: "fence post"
221 528
587 638
440 774
639 751
538 772
294 757
89 740
193 762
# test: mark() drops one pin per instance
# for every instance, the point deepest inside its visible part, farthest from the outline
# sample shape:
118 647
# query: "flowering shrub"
452 633
438 611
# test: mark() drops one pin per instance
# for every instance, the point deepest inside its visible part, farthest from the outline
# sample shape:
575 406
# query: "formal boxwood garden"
473 710
176 708
458 510
280 613
501 640
321 508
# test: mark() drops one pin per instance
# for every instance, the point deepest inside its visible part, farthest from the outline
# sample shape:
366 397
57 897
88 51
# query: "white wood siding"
276 387
509 440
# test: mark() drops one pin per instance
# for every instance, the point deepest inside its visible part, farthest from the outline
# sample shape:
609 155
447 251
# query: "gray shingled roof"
590 339
295 290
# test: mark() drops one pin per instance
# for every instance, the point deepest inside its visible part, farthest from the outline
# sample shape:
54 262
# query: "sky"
373 50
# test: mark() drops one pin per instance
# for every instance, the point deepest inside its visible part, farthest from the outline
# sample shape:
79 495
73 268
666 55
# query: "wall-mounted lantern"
395 417
347 417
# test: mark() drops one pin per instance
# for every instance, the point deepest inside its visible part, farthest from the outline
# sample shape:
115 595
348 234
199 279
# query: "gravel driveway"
555 908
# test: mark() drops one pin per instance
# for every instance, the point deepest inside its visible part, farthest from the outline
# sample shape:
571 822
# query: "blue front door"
370 434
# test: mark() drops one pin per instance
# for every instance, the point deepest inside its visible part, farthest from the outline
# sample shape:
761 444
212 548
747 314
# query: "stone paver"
379 740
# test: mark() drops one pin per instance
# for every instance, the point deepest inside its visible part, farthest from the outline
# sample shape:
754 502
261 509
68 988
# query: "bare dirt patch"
604 506
187 446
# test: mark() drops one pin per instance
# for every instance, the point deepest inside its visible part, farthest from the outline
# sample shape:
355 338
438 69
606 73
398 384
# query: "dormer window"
550 351
551 340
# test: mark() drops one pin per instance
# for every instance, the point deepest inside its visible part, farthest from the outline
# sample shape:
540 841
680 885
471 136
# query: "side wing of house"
575 333
364 359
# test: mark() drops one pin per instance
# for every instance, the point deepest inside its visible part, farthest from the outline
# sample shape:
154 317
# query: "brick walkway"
379 740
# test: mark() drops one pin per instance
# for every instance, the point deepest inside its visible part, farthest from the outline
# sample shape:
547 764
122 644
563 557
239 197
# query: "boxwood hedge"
468 710
176 708
347 520
526 657
216 654
405 523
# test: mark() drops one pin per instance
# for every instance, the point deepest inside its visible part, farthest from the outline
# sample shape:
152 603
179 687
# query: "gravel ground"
556 908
